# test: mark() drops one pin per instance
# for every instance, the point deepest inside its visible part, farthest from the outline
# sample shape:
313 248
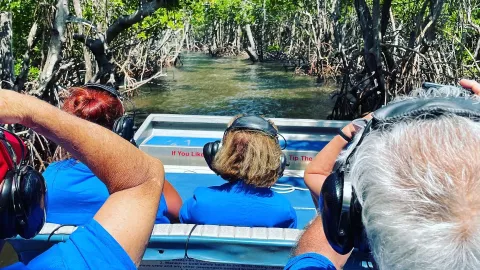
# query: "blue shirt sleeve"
162 214
309 261
184 215
293 218
16 266
89 247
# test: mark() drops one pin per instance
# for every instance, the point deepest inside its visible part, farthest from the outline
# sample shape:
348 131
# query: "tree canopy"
374 49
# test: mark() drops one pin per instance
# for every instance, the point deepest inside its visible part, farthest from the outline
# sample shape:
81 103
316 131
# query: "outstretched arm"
322 165
174 201
134 179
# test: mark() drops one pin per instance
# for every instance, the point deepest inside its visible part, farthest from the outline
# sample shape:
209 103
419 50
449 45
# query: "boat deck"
178 141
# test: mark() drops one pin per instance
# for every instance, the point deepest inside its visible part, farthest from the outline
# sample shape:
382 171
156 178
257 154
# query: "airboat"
178 141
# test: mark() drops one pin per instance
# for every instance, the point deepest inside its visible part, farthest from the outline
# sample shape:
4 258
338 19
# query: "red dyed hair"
94 105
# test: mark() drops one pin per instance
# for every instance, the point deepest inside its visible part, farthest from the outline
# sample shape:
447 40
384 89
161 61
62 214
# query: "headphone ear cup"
336 221
283 164
358 230
124 126
30 202
7 213
209 151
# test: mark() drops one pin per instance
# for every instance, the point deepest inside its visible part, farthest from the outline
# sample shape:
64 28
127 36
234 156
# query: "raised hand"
471 84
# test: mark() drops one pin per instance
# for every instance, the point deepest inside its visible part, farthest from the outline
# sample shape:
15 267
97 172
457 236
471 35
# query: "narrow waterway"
229 86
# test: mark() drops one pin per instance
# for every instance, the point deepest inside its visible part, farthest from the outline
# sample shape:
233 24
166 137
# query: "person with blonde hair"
250 159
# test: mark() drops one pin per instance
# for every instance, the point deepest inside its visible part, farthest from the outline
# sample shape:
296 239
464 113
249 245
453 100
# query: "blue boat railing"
179 139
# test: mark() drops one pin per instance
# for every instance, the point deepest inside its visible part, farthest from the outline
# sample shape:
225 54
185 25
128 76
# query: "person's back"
238 204
251 160
75 194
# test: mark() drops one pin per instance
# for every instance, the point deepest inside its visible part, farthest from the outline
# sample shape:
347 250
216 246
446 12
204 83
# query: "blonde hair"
250 156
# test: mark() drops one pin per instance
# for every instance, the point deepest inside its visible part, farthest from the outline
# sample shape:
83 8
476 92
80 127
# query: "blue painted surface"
216 250
213 249
185 183
200 142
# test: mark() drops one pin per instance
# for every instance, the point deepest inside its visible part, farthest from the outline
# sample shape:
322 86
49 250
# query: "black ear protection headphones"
123 126
342 219
251 123
23 194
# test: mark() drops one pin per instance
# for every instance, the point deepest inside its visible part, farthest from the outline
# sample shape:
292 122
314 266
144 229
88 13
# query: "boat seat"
225 244
208 247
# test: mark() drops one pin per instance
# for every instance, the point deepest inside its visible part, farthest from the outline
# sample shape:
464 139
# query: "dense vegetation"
374 49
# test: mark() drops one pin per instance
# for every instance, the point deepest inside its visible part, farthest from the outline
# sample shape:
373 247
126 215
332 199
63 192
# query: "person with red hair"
74 192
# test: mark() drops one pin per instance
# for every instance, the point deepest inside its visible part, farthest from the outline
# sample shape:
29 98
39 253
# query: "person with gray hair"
413 170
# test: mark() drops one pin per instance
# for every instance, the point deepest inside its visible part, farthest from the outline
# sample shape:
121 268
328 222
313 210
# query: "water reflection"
229 86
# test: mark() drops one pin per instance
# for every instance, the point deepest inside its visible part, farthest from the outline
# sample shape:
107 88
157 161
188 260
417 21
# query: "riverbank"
232 85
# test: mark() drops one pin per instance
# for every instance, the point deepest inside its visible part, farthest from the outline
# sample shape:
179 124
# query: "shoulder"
67 164
280 198
207 192
204 201
201 195
309 261
56 165
89 247
16 266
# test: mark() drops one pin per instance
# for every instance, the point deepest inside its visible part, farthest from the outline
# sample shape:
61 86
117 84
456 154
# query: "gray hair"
419 184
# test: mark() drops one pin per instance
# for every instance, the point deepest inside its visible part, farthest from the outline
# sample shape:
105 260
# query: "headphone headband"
254 123
431 107
15 158
342 224
460 106
103 87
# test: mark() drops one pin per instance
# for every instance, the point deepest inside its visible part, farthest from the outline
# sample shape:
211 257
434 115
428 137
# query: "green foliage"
210 17
23 12
273 48
33 73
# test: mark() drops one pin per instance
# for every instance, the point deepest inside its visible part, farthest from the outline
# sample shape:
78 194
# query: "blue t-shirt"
238 204
89 247
75 194
309 261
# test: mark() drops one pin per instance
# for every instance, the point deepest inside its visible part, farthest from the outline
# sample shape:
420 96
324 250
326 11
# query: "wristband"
345 137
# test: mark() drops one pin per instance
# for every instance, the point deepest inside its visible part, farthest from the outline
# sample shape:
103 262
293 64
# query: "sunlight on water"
229 86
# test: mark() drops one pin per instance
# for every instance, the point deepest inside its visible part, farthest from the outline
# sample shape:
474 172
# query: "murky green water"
229 86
